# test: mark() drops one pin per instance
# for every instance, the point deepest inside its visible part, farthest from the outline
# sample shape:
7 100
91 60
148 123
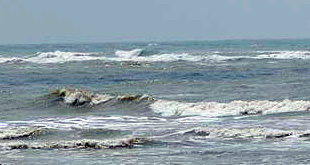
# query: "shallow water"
213 102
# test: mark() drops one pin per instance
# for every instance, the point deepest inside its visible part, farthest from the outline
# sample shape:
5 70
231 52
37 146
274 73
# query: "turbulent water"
211 102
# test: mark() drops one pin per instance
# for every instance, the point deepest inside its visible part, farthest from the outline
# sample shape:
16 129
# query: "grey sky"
50 21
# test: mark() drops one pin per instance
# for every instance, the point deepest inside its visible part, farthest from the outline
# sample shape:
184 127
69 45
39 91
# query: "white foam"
128 54
61 57
234 108
94 122
254 132
284 55
136 56
10 60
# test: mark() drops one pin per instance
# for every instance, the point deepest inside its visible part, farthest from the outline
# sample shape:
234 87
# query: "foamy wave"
61 57
138 55
53 57
255 132
10 60
21 128
78 144
129 54
135 55
79 97
234 108
280 55
19 132
284 55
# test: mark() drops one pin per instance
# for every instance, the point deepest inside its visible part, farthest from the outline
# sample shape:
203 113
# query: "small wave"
79 97
280 55
256 132
10 60
61 57
90 123
284 55
141 55
20 132
128 54
79 144
234 108
135 55
53 57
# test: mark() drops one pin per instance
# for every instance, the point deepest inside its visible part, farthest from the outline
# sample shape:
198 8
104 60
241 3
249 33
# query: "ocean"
182 102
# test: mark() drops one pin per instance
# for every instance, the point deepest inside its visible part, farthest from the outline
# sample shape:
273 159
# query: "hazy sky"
50 21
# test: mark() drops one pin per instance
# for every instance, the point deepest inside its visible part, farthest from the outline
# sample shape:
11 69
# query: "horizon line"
157 41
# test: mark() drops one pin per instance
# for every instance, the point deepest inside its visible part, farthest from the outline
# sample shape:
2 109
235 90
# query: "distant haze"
63 21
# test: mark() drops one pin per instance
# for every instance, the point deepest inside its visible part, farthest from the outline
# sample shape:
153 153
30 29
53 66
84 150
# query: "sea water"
193 102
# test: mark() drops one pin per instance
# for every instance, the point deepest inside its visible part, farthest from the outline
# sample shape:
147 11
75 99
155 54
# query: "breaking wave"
234 108
78 144
61 57
135 55
20 132
254 132
81 97
284 55
53 57
10 60
141 55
